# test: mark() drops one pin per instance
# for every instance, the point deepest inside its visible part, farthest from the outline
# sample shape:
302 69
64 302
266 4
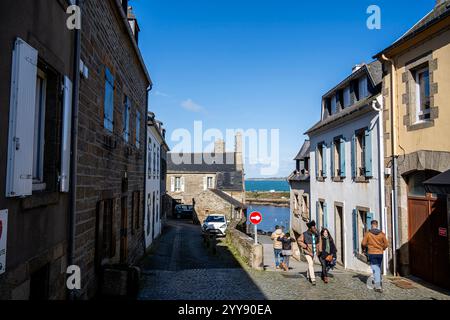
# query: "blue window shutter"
368 153
369 218
325 216
332 159
317 213
354 156
324 160
355 232
317 161
342 152
109 100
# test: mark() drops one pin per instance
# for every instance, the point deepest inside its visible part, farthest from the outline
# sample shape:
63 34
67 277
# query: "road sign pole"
256 234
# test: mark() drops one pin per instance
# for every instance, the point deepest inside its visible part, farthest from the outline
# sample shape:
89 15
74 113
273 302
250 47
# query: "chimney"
219 146
133 24
238 152
357 67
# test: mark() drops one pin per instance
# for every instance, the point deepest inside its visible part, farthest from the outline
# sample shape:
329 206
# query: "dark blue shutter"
324 160
342 152
317 161
368 153
354 156
355 232
332 155
325 216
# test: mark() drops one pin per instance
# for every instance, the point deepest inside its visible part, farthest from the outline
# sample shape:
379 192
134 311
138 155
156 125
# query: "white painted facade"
153 205
342 198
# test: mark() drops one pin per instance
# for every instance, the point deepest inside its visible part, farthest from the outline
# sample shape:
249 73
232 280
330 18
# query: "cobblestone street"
180 267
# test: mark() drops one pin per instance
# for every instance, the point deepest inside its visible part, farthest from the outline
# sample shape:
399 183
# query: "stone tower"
238 152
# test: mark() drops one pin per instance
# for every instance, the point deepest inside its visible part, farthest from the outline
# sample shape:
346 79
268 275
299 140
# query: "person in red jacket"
376 242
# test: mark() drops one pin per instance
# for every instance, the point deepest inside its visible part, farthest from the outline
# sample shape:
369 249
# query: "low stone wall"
251 253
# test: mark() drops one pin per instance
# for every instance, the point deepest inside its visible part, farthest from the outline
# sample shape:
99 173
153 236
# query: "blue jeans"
278 257
375 261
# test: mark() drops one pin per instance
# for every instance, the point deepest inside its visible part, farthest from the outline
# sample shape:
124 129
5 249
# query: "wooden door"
428 251
124 230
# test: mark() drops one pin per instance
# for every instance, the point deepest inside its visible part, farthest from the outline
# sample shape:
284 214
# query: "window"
347 99
39 131
422 78
362 220
338 157
154 159
363 88
210 183
321 215
321 165
109 101
126 118
362 154
158 165
333 104
328 106
177 184
138 129
305 207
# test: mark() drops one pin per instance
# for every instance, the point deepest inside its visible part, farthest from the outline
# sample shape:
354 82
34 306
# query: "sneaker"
313 282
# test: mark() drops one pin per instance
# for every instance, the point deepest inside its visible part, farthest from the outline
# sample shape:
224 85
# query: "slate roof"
231 181
304 151
438 13
228 198
298 176
200 163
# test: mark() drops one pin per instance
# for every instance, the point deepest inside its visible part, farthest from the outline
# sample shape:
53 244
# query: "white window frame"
177 184
39 131
209 182
420 112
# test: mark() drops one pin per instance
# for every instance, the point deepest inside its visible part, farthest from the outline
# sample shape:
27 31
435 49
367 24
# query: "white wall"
348 192
152 222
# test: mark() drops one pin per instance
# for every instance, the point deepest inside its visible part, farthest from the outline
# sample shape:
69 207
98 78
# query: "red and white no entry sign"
255 217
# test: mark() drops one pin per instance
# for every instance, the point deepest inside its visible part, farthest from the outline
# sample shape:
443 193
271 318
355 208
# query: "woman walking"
327 253
286 252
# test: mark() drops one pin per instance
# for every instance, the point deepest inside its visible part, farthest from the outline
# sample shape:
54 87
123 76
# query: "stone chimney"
219 146
238 152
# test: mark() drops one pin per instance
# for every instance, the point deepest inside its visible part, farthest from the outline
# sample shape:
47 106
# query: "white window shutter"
172 184
182 184
66 135
205 183
19 180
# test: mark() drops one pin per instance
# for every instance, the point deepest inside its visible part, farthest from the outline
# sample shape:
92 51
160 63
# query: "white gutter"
376 106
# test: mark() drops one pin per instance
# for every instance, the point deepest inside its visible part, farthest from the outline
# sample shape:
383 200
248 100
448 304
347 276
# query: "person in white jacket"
277 246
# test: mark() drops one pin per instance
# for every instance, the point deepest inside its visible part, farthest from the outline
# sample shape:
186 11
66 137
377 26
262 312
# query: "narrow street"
180 267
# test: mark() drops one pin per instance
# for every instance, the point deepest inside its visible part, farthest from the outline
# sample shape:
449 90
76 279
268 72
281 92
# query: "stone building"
190 174
416 124
345 151
36 77
155 180
299 182
112 128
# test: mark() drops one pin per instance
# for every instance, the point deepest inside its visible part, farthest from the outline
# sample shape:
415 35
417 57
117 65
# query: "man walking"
277 246
376 242
309 242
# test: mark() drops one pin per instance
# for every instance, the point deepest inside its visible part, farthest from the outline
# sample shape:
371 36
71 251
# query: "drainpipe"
394 192
74 150
145 164
381 180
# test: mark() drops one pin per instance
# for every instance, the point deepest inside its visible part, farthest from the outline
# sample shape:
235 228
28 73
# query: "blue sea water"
266 185
271 216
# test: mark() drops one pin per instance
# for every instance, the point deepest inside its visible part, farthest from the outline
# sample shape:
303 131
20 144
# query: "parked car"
215 223
184 211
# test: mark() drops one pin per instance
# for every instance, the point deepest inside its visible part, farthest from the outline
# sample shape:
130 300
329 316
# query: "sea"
266 185
271 215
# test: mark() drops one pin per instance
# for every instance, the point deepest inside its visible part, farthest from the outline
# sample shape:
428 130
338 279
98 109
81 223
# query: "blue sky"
259 64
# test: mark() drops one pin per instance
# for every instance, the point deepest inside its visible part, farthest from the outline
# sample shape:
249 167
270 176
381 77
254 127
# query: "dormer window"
347 99
333 104
363 88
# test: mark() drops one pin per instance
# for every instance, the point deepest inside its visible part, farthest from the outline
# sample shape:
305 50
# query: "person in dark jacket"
327 253
309 242
286 241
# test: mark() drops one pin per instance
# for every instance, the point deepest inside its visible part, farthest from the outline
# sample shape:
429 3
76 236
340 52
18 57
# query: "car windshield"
215 219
